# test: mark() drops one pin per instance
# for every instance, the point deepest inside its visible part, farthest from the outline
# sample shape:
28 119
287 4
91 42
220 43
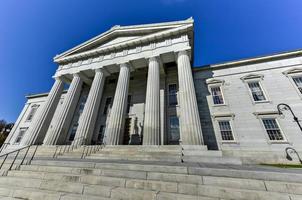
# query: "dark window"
112 81
33 110
256 90
172 95
226 130
298 82
272 129
174 136
217 95
129 103
107 105
20 135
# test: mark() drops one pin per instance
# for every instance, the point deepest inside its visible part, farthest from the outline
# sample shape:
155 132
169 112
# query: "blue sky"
32 32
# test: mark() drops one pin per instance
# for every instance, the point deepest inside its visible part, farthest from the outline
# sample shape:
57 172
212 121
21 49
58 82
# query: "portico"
130 114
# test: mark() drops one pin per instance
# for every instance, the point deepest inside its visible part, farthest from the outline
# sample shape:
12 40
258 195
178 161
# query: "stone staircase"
150 177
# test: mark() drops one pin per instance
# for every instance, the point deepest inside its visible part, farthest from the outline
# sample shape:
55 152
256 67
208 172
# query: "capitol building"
136 85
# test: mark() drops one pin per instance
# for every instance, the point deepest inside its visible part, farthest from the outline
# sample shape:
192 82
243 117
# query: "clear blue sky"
32 32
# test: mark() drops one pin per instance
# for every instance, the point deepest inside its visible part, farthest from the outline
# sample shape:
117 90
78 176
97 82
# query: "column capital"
128 65
102 70
181 53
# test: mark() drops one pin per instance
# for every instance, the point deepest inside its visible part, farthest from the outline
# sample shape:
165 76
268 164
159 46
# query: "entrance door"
173 134
127 131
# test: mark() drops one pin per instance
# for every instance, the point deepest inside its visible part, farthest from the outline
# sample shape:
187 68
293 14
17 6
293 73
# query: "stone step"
142 189
238 172
213 159
164 178
13 192
136 157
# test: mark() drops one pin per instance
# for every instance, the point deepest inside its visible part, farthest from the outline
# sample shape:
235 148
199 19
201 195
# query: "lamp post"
283 106
294 151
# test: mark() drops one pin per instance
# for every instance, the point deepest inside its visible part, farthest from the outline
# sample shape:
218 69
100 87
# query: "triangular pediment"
121 34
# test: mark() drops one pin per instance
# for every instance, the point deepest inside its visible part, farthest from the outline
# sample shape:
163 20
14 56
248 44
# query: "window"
256 91
32 112
172 95
298 82
272 128
20 135
100 135
128 103
107 105
217 95
73 131
173 137
226 130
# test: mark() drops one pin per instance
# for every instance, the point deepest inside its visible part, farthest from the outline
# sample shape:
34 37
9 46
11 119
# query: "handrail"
16 156
182 151
65 149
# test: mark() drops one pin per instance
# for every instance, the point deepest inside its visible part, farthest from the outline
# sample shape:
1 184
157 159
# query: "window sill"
279 142
229 142
219 105
260 102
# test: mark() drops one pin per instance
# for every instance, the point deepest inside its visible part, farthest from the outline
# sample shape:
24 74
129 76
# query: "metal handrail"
63 148
16 156
182 151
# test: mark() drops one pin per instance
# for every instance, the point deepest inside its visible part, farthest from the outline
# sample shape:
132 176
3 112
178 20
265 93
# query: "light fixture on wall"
282 106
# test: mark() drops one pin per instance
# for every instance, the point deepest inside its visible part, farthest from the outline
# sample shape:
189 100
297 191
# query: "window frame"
176 94
284 141
230 118
109 107
220 86
24 129
35 106
169 128
291 76
256 78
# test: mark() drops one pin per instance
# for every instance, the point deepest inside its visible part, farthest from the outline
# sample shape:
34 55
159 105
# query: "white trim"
220 85
269 141
260 81
226 117
292 75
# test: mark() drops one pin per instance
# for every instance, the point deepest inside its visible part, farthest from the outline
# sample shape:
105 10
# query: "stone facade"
135 85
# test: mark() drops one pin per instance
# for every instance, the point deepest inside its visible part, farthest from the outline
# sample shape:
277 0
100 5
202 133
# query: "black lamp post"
294 151
283 106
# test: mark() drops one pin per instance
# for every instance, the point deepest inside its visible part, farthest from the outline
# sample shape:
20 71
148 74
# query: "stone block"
234 183
102 180
132 194
276 186
152 185
185 188
96 190
182 178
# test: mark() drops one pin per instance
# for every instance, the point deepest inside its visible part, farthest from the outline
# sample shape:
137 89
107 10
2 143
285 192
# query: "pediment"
252 76
122 34
293 71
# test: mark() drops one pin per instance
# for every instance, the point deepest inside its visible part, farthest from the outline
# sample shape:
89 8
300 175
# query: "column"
151 133
115 129
191 133
88 117
60 129
37 130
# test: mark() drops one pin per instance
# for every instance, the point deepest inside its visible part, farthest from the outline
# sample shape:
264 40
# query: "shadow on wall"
204 112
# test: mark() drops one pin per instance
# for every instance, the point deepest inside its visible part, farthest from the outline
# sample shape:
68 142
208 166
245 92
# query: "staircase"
111 174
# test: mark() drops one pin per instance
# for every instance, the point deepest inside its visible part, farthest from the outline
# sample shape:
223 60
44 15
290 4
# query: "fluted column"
115 129
37 130
151 134
88 118
60 129
191 133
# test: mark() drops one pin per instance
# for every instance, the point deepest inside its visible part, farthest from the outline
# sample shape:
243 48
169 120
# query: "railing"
17 151
67 148
87 151
182 151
